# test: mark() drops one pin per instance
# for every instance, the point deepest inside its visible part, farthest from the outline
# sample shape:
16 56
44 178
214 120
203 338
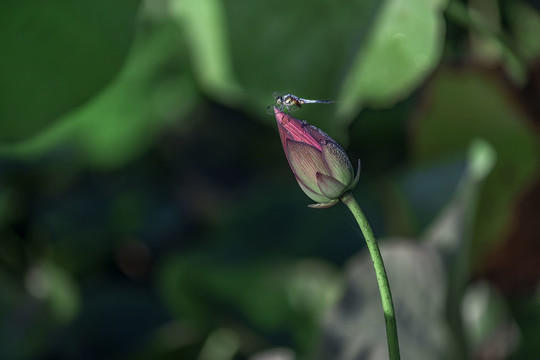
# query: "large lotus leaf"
294 47
403 47
124 118
55 56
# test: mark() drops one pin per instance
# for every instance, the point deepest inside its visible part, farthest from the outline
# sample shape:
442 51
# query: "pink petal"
294 129
306 161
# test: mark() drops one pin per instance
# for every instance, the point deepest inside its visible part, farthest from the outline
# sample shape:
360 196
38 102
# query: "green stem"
382 280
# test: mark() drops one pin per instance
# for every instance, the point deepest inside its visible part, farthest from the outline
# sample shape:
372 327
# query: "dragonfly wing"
270 109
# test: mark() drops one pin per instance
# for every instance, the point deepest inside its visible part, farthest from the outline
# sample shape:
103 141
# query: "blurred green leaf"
221 344
403 47
423 191
206 31
527 313
354 329
525 22
294 47
56 55
123 120
117 319
274 354
6 203
271 296
488 323
49 282
482 158
469 105
451 234
193 295
25 330
32 310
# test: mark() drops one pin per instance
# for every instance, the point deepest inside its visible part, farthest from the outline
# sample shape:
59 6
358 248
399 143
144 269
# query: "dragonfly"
292 102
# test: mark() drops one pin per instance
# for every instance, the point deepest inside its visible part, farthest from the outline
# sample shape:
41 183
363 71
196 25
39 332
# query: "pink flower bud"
319 164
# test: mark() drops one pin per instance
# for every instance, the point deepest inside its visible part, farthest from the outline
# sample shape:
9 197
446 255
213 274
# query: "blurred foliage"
402 48
467 106
147 210
57 56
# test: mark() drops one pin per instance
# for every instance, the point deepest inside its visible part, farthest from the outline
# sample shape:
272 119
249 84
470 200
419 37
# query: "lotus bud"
321 167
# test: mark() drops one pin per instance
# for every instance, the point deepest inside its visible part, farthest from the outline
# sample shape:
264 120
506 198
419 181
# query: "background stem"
382 280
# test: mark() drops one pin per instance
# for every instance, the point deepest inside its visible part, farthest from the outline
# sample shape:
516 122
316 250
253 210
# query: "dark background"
147 210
